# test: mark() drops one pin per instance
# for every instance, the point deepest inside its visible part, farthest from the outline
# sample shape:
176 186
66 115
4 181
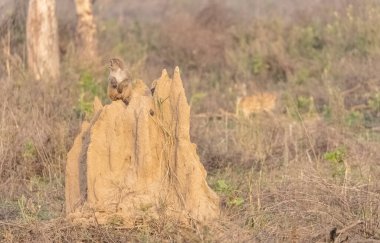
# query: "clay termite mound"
136 161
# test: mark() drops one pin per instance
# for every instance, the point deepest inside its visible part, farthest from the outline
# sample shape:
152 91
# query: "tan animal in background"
254 104
119 81
257 103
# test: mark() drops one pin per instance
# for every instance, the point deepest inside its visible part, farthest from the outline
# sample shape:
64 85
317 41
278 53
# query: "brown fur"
263 102
125 90
112 89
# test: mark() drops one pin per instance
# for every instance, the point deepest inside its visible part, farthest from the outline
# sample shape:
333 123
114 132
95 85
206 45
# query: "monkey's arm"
122 85
112 92
126 92
113 82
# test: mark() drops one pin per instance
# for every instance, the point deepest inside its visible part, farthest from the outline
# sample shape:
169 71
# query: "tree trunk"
42 40
86 29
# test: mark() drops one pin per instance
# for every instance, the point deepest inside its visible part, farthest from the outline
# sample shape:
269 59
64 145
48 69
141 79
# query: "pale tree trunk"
42 40
86 29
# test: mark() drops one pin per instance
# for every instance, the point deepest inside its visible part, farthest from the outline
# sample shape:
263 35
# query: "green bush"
89 89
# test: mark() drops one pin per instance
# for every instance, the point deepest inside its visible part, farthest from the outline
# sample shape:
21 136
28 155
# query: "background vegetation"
295 176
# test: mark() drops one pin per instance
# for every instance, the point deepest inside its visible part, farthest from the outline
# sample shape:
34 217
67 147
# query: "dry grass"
289 190
291 176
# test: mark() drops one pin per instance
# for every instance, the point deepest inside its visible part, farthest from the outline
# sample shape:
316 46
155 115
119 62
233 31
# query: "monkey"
119 87
120 84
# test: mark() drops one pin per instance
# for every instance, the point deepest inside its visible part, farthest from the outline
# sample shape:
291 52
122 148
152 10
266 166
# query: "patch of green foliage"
300 106
354 118
197 97
374 103
89 88
29 151
305 104
232 195
115 220
308 42
336 158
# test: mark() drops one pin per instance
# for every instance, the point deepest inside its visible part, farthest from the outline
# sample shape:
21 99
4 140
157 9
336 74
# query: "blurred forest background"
309 169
